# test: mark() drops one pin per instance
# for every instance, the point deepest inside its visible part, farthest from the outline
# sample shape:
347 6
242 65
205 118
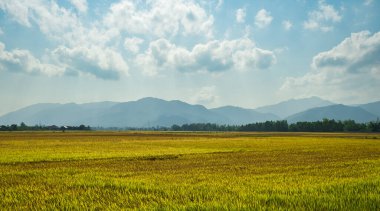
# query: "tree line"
326 125
24 127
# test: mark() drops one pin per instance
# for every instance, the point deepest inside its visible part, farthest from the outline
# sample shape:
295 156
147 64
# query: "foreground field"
115 170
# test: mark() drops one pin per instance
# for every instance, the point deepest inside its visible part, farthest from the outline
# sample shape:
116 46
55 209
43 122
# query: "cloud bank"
349 72
137 34
23 61
213 56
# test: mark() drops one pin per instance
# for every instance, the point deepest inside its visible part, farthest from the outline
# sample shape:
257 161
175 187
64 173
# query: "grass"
154 170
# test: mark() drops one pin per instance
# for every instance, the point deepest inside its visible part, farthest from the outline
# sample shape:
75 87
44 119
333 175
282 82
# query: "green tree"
23 126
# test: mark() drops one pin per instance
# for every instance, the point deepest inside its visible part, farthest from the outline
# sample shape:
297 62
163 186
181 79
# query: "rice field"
192 171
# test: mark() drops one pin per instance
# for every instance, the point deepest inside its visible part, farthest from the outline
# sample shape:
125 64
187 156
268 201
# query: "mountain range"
151 112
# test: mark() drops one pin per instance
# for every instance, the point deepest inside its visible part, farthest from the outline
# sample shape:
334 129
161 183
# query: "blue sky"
244 53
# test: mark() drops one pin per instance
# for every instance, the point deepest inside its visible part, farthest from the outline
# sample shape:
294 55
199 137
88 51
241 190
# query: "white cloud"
133 44
213 56
53 20
287 25
368 2
348 72
81 49
353 53
205 96
104 63
240 15
17 10
20 60
161 18
263 18
281 50
66 28
80 5
94 48
323 18
219 5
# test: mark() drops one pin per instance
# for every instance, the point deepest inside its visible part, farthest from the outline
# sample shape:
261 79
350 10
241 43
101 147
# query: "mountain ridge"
292 106
150 112
336 112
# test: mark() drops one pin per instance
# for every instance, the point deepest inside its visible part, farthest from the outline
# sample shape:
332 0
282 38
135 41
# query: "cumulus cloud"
205 96
80 5
104 63
82 49
219 5
323 18
213 56
108 47
350 71
240 15
287 25
52 20
17 10
161 18
23 61
353 54
133 44
263 18
58 23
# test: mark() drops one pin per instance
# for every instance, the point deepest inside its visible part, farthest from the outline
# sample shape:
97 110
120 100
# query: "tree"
13 127
82 127
23 126
374 126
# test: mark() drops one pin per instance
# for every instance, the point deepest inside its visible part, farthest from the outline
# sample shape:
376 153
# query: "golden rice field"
195 171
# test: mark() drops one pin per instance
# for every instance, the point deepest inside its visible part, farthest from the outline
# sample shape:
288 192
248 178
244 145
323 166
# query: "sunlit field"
157 170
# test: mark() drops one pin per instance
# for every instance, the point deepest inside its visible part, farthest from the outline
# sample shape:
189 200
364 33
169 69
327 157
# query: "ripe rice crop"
165 170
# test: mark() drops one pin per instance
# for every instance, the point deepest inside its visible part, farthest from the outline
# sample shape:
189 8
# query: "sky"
210 52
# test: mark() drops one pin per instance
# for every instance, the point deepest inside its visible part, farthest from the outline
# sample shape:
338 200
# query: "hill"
146 112
149 112
236 115
152 112
373 108
293 106
337 112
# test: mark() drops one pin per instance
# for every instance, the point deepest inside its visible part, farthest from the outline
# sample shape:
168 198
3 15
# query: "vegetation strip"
190 171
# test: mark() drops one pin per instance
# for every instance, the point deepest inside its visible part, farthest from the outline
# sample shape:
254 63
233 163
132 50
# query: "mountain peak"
150 111
150 99
337 112
293 106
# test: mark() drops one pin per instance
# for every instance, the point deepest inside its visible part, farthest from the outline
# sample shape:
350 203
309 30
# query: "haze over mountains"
337 112
151 112
293 106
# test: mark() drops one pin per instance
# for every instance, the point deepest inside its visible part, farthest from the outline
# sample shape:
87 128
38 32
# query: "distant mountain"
337 112
58 114
236 115
373 108
151 112
146 112
293 106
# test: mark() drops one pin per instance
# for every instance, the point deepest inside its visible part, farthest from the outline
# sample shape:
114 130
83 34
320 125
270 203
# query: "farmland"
167 170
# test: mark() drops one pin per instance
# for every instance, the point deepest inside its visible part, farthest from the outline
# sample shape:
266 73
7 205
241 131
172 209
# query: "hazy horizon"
208 107
213 53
